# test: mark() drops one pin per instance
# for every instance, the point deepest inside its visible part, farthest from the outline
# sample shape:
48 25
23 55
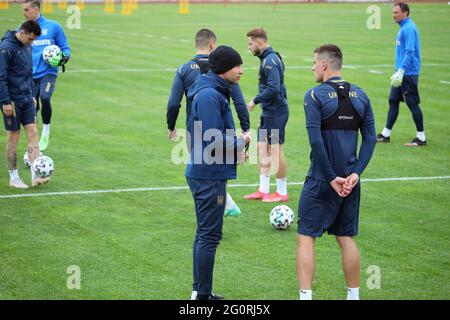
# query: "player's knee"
45 100
412 105
31 130
265 162
13 136
393 102
212 238
345 241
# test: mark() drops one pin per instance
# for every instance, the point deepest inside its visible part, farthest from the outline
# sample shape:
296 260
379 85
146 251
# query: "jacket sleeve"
61 41
174 104
410 48
369 139
241 107
4 65
273 81
313 126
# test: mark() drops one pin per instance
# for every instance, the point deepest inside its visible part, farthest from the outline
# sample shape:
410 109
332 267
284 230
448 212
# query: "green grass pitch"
109 132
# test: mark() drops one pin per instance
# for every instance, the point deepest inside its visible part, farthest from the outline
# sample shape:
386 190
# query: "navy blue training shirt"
272 89
333 152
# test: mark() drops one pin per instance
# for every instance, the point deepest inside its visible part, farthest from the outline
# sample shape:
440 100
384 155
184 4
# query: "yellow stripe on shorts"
48 87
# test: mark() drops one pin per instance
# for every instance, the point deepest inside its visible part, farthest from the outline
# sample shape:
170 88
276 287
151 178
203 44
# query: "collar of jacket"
201 55
265 53
405 21
40 19
10 35
223 85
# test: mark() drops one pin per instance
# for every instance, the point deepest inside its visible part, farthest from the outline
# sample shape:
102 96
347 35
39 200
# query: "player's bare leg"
281 172
306 265
350 265
278 166
33 152
264 172
11 155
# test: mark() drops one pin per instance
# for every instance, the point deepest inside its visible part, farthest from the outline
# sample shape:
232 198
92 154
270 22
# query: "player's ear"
260 42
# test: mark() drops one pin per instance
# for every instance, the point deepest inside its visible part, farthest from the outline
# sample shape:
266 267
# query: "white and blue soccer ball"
281 217
43 166
49 52
26 160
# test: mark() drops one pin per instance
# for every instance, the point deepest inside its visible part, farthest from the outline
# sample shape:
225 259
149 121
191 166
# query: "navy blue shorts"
43 87
407 92
321 209
24 113
272 130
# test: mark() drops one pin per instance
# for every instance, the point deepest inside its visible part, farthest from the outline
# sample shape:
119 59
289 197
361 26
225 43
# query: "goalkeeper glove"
54 61
397 78
58 60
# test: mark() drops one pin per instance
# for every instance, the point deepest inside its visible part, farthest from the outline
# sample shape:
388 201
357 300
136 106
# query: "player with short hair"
16 100
45 74
405 81
335 111
209 166
185 77
275 114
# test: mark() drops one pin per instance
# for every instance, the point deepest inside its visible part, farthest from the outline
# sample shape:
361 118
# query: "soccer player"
185 76
275 113
15 97
404 82
212 161
45 74
335 111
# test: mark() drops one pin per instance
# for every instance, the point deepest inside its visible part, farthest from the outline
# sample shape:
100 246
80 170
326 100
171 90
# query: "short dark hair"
403 6
332 53
34 3
257 33
31 27
203 38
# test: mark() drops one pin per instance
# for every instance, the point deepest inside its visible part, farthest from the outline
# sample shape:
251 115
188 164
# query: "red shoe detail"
275 197
258 195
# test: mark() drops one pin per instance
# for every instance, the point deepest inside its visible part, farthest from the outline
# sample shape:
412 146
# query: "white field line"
360 66
175 188
444 82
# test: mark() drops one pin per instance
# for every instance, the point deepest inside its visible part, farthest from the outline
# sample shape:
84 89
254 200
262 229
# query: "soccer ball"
43 166
26 160
49 52
281 217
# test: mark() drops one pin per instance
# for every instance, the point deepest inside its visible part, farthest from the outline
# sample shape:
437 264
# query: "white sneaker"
18 183
194 295
38 181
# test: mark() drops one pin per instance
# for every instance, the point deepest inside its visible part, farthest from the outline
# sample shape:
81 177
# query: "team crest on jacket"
44 32
220 200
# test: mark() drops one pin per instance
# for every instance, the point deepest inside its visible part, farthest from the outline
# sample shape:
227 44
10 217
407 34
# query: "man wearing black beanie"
185 77
223 59
214 150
